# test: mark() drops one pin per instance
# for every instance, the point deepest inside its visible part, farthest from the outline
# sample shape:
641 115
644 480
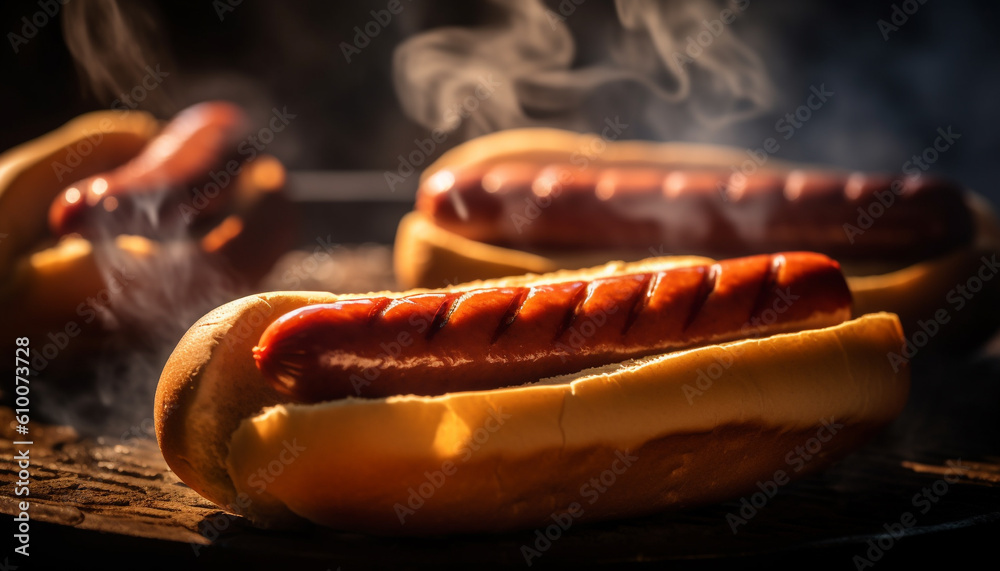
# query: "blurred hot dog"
179 158
50 280
705 212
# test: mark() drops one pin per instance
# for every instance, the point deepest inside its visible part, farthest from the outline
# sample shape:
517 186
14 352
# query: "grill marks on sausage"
378 309
443 313
641 301
391 303
709 281
511 313
573 309
637 304
767 285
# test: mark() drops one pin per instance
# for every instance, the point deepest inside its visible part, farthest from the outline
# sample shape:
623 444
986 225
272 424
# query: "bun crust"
350 463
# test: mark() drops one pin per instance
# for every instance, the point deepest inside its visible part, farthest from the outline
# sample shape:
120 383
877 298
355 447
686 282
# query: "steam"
112 43
172 290
527 56
153 298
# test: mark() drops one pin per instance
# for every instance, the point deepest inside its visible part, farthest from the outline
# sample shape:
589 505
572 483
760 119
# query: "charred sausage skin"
445 341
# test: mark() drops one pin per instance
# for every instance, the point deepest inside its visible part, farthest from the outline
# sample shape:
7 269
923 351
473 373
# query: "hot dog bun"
429 255
49 280
219 422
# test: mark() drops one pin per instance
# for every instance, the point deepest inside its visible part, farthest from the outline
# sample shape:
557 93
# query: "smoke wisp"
675 64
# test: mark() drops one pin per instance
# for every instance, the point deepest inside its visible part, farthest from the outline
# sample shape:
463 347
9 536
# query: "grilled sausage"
441 341
708 212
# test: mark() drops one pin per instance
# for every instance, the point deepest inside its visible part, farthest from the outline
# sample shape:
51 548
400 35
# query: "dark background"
939 69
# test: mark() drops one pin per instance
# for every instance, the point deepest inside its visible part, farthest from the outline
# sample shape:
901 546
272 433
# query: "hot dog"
51 276
322 352
533 200
198 140
222 415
